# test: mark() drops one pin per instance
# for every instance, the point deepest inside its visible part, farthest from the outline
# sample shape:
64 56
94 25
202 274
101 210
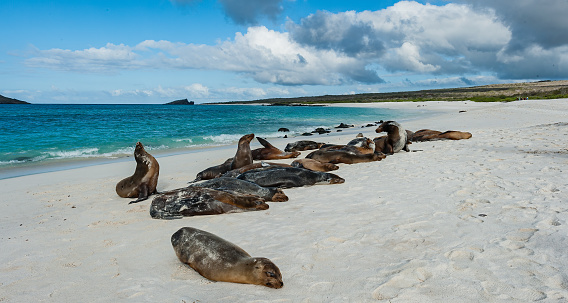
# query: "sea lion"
270 152
341 156
302 145
233 185
214 171
397 138
243 156
433 135
314 165
144 181
220 260
196 201
287 177
235 172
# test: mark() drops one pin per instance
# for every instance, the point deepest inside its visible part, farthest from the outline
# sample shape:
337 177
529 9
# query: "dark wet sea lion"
340 156
286 177
196 201
302 145
314 165
397 137
234 185
270 152
144 181
243 156
235 172
220 260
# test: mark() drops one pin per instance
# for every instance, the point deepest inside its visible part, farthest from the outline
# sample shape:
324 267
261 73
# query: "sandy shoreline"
478 220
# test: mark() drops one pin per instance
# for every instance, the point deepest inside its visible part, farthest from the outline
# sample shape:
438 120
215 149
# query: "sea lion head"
387 126
334 179
267 273
246 138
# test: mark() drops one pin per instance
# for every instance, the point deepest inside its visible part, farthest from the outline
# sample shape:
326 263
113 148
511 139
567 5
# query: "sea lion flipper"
143 194
264 143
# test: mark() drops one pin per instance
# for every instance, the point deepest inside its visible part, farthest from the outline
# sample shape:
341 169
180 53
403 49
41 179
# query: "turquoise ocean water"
33 135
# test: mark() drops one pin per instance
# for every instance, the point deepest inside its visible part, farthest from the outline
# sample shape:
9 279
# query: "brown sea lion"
314 165
243 156
214 171
220 260
196 201
302 145
397 138
270 152
433 135
144 181
340 156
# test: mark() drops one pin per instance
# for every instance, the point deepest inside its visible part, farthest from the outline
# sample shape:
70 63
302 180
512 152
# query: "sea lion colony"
239 185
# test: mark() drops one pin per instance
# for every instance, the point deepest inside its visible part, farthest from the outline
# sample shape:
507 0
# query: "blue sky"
226 50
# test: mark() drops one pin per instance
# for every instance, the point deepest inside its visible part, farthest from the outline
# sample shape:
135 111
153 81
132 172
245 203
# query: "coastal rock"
343 125
321 130
283 129
181 102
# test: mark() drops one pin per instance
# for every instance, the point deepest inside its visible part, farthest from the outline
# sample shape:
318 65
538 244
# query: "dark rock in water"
6 100
283 129
343 125
320 131
370 125
181 102
307 134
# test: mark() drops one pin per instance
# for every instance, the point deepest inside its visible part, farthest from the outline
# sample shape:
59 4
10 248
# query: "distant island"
181 102
6 100
488 93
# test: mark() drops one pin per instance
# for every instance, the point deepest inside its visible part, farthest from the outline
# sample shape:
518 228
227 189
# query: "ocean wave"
223 138
184 140
67 154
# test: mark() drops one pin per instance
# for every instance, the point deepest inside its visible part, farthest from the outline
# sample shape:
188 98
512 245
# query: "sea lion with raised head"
242 187
196 201
144 181
302 145
397 137
314 165
341 156
270 152
243 156
287 177
220 260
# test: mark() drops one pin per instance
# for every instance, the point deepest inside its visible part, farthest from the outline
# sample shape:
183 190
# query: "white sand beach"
478 220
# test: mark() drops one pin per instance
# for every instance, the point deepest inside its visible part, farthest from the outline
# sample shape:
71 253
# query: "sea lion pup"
302 145
144 181
233 185
287 177
314 165
196 201
243 156
220 260
270 152
341 156
397 138
235 172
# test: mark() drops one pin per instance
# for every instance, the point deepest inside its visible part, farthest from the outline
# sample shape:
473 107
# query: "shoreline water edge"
477 220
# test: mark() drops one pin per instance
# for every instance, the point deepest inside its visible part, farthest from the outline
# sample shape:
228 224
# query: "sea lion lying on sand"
220 260
356 146
144 181
242 158
302 145
397 137
270 152
286 177
242 187
433 135
195 201
235 172
314 165
340 156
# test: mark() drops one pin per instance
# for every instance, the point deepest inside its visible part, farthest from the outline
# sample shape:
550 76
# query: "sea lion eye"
270 274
